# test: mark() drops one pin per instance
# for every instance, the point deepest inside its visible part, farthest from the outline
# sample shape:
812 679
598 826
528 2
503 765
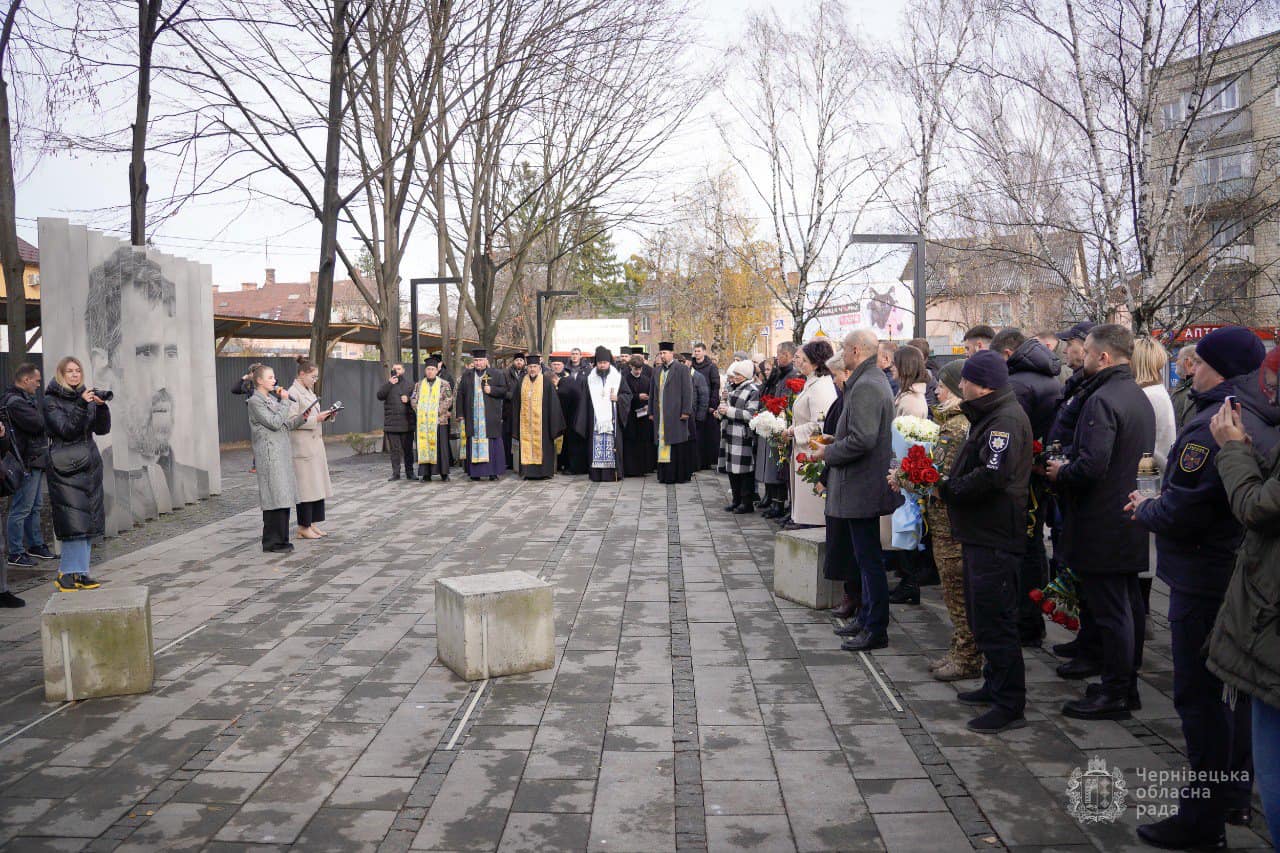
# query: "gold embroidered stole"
664 449
428 421
531 422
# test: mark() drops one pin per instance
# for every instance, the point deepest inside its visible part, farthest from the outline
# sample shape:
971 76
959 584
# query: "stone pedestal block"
797 569
495 624
97 643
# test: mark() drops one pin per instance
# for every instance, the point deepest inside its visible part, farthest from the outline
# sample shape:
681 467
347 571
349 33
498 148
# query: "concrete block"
495 624
97 643
797 569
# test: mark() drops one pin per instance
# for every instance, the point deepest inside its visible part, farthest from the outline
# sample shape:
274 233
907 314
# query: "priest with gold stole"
537 421
432 402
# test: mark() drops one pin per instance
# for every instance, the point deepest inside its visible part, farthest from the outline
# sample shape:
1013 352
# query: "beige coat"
310 464
807 412
911 401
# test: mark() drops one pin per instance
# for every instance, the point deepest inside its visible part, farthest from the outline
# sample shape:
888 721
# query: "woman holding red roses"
815 395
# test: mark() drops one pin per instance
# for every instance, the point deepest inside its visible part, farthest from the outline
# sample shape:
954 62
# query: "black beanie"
987 369
1231 351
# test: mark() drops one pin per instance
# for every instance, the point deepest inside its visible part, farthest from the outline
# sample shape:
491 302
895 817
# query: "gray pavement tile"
900 796
471 808
213 786
1018 806
725 696
379 793
741 797
534 833
644 660
911 833
403 745
822 802
735 753
346 830
178 826
641 705
17 813
28 844
51 781
501 737
798 727
555 795
281 808
638 739
769 833
635 803
878 751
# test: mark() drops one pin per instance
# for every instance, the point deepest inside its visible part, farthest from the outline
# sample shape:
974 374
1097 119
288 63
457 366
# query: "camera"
104 396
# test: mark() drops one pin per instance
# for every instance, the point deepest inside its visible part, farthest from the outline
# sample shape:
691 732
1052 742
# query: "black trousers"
275 528
990 590
838 561
1218 737
743 488
1118 628
401 447
310 512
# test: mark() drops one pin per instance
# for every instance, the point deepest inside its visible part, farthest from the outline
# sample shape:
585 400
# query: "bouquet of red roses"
775 405
810 470
795 384
916 472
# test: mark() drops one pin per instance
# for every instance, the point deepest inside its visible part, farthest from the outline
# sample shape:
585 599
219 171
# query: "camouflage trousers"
946 553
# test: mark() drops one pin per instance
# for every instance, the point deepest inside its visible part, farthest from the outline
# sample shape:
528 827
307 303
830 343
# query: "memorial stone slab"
797 569
97 643
495 624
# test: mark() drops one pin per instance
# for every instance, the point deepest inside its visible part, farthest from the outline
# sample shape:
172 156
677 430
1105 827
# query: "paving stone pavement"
299 703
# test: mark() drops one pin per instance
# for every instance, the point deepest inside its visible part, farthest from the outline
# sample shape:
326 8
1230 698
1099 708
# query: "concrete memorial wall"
141 322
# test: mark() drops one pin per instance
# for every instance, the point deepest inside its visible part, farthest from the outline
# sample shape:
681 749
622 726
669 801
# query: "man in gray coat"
858 492
672 388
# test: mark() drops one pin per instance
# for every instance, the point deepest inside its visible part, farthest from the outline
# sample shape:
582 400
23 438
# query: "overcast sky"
240 240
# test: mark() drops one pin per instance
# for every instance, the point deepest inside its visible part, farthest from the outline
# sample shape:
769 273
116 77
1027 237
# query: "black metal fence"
353 382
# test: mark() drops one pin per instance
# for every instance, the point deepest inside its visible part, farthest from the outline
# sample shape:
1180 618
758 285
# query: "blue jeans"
75 557
868 560
1266 761
23 529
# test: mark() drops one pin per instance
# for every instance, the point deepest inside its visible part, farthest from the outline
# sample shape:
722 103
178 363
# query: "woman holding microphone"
310 464
270 423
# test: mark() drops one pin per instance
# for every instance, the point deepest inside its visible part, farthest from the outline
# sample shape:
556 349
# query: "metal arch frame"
414 284
918 284
543 296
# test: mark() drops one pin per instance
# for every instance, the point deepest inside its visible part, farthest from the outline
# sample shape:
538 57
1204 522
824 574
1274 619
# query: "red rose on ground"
930 476
795 384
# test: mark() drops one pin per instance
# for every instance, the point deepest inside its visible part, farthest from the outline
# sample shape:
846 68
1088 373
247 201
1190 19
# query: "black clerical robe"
537 421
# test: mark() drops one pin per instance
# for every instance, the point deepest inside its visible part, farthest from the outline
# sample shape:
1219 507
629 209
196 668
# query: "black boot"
905 593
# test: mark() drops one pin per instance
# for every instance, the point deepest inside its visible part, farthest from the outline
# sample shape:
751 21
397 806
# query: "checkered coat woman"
742 405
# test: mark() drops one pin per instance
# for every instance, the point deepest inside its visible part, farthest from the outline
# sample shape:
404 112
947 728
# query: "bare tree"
798 138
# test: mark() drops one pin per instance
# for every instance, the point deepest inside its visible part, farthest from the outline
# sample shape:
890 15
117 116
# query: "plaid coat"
739 440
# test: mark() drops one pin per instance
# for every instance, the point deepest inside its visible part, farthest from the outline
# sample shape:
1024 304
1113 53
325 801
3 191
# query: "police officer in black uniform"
986 496
1196 539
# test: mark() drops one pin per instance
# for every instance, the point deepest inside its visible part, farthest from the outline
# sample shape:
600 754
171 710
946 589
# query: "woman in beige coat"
913 379
807 411
310 465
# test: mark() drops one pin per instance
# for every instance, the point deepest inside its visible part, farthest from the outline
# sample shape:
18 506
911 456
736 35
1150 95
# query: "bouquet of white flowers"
916 430
767 425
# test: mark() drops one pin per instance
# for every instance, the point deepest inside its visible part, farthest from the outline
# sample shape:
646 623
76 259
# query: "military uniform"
1196 540
963 653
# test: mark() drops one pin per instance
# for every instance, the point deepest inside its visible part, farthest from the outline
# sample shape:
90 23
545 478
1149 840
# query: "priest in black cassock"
672 389
606 403
481 393
639 453
575 452
537 421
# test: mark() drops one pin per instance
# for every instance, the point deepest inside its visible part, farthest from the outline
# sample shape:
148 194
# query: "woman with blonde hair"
73 415
270 423
310 463
1150 361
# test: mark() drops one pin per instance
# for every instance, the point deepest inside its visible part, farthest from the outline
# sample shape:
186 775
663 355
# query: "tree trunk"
148 18
16 302
329 208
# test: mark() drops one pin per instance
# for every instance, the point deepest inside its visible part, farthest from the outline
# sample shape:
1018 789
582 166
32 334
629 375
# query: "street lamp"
414 283
543 295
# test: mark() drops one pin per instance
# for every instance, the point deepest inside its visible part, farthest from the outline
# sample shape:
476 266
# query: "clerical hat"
479 353
687 356
532 358
523 355
666 346
431 362
603 354
624 350
555 358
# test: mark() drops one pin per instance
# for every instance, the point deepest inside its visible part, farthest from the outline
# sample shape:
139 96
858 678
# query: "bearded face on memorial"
133 343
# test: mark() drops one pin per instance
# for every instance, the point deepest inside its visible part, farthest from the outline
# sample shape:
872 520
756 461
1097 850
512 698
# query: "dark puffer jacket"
75 466
1033 373
397 416
26 420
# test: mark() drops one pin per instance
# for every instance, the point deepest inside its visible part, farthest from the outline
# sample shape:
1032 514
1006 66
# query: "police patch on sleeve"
998 441
1193 457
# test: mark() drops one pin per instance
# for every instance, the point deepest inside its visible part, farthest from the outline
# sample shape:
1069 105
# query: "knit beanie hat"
949 375
743 368
1231 351
987 369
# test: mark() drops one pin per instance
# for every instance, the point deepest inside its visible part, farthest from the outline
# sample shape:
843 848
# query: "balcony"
1219 192
1220 129
1241 254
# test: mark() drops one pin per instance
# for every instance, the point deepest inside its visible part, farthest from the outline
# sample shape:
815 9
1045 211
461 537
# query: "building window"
1221 97
1171 113
998 314
1226 232
1212 170
644 323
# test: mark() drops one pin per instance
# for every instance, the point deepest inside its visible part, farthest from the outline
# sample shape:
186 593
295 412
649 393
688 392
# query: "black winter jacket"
986 491
74 465
25 418
1063 428
1033 373
397 416
1116 425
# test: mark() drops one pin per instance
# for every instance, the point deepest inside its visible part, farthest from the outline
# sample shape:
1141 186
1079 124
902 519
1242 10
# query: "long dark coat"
677 400
859 458
468 387
75 466
584 422
768 469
